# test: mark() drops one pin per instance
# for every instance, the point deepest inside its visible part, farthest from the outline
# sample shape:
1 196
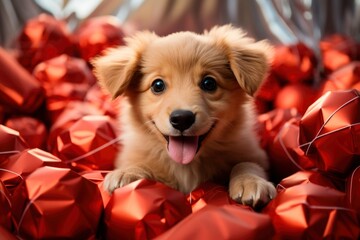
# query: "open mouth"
182 149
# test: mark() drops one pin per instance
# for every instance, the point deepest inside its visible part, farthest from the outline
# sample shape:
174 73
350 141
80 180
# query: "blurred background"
281 21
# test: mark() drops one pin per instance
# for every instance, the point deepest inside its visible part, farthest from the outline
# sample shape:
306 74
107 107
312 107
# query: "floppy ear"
249 60
118 67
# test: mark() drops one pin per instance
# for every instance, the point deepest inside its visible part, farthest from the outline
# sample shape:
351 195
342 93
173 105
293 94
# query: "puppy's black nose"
182 119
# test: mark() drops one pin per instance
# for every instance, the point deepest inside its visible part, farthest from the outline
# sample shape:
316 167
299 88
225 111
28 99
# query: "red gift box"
56 203
294 63
90 143
32 130
16 167
346 77
43 38
144 209
97 177
96 34
211 194
330 132
222 222
10 142
286 157
311 211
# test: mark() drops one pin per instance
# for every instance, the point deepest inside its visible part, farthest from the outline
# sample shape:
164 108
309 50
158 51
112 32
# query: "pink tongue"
183 149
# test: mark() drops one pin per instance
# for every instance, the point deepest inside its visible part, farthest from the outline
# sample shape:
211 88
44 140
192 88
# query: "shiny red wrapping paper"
346 77
32 130
74 111
15 168
307 176
311 211
104 101
337 50
56 203
330 132
7 235
19 91
90 143
5 208
286 157
143 210
211 194
299 96
98 178
222 222
43 38
65 79
294 63
97 34
10 142
270 123
353 190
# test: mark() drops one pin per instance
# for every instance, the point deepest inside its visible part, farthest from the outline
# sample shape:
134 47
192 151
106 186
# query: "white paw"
251 190
121 177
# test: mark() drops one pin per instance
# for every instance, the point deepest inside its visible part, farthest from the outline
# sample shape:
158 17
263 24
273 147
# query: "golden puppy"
188 114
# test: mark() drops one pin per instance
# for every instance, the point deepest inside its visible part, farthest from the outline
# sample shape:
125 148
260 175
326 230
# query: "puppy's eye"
157 86
208 84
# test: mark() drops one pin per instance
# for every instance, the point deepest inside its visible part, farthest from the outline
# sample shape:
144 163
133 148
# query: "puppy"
187 114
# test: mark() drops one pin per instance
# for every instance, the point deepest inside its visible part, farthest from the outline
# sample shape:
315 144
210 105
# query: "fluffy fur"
230 151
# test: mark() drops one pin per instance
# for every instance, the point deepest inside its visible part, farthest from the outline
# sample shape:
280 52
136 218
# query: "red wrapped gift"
294 63
286 157
19 91
56 203
98 178
305 177
337 51
63 69
10 142
15 168
211 194
353 190
5 208
65 79
31 129
310 211
104 101
43 38
222 222
330 132
345 78
270 123
91 143
299 96
143 210
97 34
73 111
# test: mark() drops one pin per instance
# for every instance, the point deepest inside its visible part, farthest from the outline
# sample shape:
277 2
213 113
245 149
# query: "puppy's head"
185 86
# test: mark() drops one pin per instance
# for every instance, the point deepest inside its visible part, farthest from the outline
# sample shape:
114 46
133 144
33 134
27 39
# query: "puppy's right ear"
118 67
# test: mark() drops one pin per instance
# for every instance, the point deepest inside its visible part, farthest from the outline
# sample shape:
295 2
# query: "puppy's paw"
121 177
251 190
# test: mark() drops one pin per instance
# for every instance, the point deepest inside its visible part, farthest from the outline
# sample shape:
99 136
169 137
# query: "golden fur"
181 60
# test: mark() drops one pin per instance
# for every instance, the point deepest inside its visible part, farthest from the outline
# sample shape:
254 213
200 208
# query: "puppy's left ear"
118 67
249 60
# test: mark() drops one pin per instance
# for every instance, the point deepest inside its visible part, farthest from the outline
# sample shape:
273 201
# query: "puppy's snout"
182 119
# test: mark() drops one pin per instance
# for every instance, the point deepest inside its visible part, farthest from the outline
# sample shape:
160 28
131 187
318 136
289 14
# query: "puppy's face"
184 87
